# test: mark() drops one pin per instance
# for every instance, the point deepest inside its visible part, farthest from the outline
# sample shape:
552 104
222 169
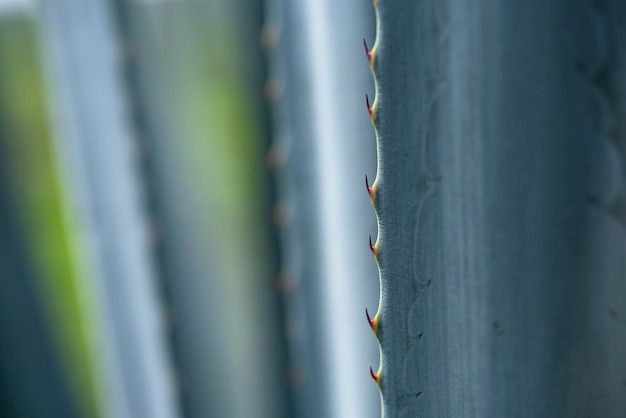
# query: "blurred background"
183 218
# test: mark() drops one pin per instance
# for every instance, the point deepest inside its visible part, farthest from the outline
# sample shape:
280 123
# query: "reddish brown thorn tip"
371 322
373 248
367 51
374 375
369 108
367 186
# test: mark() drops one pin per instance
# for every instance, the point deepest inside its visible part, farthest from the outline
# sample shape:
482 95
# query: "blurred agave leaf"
31 201
190 71
321 75
95 146
31 382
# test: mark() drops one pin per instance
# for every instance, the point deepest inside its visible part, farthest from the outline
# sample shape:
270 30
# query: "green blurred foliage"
26 132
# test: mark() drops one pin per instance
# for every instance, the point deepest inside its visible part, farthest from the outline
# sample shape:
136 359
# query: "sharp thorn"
369 319
374 375
370 109
367 52
372 247
373 322
370 190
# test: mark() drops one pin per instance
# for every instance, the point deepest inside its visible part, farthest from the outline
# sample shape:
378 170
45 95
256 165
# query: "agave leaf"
500 199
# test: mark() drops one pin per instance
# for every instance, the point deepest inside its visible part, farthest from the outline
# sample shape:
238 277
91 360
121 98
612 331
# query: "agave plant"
500 199
183 277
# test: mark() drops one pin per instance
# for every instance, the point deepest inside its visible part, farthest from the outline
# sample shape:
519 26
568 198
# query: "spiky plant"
502 208
322 147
